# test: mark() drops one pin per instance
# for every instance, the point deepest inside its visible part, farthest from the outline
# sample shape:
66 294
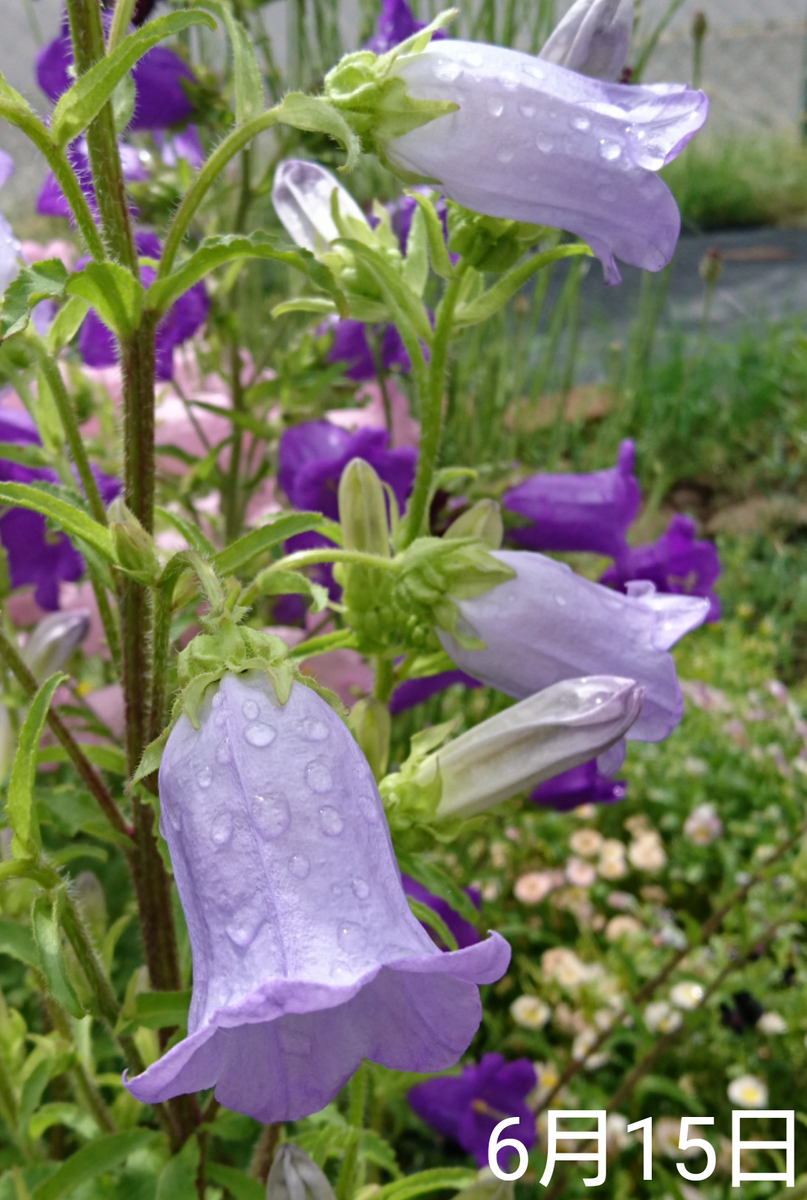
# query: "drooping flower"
549 624
593 38
676 562
394 24
581 785
467 1107
306 956
586 512
464 932
532 141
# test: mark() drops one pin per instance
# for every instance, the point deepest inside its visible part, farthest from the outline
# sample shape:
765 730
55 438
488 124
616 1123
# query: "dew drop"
172 812
527 110
223 752
341 970
242 930
221 829
271 815
318 776
545 145
447 70
581 123
350 937
205 777
610 151
314 731
250 709
369 808
299 866
495 106
535 72
505 153
508 80
360 888
473 60
331 821
260 734
560 601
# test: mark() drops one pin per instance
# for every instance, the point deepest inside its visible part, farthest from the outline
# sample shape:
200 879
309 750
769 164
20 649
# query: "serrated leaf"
191 533
72 520
440 1179
150 761
100 1155
113 292
247 75
318 116
435 235
393 287
26 838
427 916
437 882
69 1115
243 551
43 280
216 251
239 1185
377 1149
496 297
290 583
66 324
81 103
16 941
51 959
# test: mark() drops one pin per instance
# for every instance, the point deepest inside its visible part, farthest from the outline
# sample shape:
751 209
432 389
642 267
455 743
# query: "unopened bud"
295 1177
363 509
134 546
593 38
302 196
483 521
711 266
700 26
371 726
53 640
554 730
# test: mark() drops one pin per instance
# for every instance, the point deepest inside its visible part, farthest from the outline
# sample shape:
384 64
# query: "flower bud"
363 509
371 726
133 545
558 728
295 1177
593 38
301 194
483 520
53 640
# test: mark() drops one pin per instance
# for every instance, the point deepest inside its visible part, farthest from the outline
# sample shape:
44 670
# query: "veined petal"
593 38
301 194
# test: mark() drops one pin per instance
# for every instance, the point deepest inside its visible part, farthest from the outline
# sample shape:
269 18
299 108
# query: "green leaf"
16 941
262 539
113 292
435 234
51 961
378 1150
191 533
66 324
274 582
216 251
72 520
429 917
108 758
150 760
19 804
393 287
157 1010
25 455
41 281
416 263
436 881
100 1155
177 1180
441 1178
248 85
69 1115
81 104
318 116
496 297
236 1182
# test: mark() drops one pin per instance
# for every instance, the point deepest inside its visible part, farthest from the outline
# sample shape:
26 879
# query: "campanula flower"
578 512
581 785
549 624
394 24
676 562
51 202
532 141
467 1107
351 346
416 691
465 934
306 956
593 38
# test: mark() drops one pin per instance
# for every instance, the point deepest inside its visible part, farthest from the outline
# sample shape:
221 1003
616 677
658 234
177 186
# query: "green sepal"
438 252
114 294
43 280
406 802
317 115
45 924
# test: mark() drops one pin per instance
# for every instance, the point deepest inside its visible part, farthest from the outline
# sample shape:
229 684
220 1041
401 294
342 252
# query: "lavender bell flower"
51 202
581 785
532 141
578 512
467 1107
549 624
294 1176
593 38
350 346
416 691
676 562
394 24
464 932
306 956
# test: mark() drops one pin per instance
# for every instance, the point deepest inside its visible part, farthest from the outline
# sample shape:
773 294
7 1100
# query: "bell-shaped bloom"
51 202
160 99
578 512
676 562
551 731
465 934
350 346
293 1176
581 785
96 343
593 38
468 1107
549 624
394 24
416 691
532 141
306 956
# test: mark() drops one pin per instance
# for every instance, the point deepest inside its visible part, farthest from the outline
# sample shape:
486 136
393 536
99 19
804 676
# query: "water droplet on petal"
223 752
242 929
351 937
527 110
299 866
495 106
447 70
271 815
508 80
172 812
545 145
314 731
361 889
250 709
260 734
205 777
505 153
318 776
331 821
560 601
610 151
535 72
474 60
341 970
369 807
221 829
581 123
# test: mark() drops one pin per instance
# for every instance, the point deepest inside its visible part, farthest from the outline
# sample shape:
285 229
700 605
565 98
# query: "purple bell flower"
306 956
578 512
593 38
160 100
532 141
549 624
467 1107
581 785
51 202
394 24
416 691
350 345
312 457
464 932
676 562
